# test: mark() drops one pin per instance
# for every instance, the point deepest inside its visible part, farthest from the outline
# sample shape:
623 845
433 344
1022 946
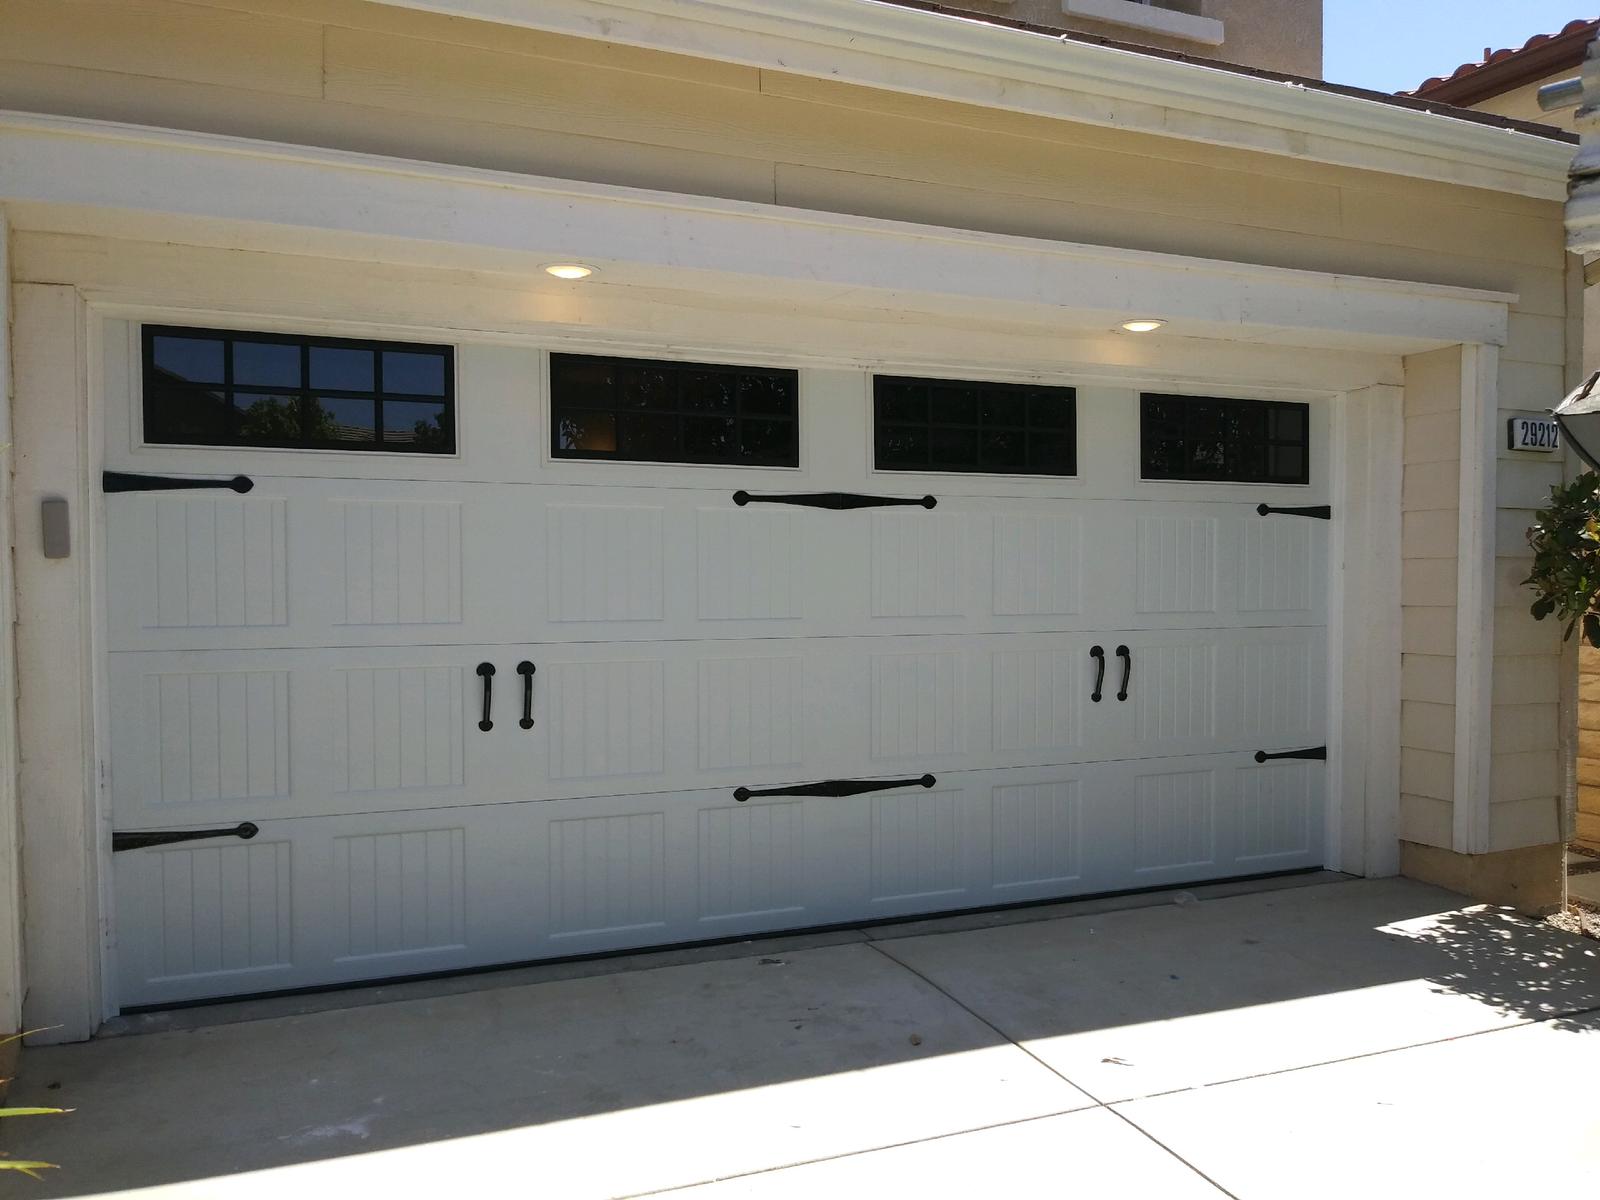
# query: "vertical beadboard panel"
1038 833
1037 699
222 908
751 859
916 844
1038 565
1175 691
606 718
1274 810
918 704
401 562
1275 682
398 727
749 565
218 562
607 873
751 712
1275 565
1177 564
218 736
916 565
400 892
604 563
1175 819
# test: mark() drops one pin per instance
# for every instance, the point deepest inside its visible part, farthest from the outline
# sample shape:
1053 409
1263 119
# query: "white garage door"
679 655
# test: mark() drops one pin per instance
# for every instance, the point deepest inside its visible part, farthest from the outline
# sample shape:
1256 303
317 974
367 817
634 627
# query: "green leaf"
30 1112
1591 629
30 1169
1543 607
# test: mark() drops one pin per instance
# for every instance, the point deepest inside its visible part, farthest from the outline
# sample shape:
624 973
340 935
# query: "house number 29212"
1534 433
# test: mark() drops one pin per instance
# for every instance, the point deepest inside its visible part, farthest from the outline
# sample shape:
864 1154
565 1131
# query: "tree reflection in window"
642 410
221 387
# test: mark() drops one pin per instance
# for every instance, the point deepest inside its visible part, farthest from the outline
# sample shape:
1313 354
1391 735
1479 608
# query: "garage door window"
205 387
1204 438
995 428
639 410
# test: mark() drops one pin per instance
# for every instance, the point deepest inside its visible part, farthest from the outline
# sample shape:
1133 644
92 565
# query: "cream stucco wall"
349 75
1275 35
345 74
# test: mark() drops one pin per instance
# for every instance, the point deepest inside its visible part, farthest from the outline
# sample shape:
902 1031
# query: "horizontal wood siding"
347 75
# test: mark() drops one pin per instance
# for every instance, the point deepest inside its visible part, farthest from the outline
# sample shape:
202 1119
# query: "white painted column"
1475 554
1363 833
61 838
11 979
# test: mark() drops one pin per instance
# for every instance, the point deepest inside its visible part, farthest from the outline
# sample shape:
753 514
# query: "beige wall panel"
1535 821
1424 819
1526 386
35 88
1524 483
1433 384
1427 773
1530 679
411 75
1428 583
1430 631
1433 486
1537 339
1430 533
1518 635
1525 727
1428 726
1368 216
1428 677
1523 775
1433 437
168 41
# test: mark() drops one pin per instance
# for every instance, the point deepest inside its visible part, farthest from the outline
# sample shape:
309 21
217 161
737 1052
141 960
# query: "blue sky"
1393 45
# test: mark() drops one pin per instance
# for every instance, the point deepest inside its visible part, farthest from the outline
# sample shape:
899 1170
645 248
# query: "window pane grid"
959 426
696 413
221 387
1202 438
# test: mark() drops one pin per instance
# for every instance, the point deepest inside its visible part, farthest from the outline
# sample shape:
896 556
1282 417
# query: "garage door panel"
315 563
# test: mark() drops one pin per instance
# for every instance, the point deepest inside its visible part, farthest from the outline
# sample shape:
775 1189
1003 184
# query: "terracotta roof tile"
1465 84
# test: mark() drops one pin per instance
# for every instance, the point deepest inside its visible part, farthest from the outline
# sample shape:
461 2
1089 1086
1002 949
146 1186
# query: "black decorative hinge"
1315 753
835 500
1322 512
836 787
165 837
121 481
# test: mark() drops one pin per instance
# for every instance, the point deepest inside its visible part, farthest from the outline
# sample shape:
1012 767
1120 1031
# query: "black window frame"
1027 429
1235 467
680 411
302 393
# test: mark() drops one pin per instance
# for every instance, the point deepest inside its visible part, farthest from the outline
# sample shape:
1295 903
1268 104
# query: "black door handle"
526 670
834 500
486 673
1126 656
122 481
1098 653
165 837
1321 512
836 787
1315 753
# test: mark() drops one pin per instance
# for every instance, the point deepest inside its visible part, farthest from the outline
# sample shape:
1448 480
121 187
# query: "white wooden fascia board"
311 200
945 57
1475 568
1150 18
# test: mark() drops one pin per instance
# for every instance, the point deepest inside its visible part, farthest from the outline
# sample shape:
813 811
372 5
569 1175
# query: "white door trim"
70 175
1480 371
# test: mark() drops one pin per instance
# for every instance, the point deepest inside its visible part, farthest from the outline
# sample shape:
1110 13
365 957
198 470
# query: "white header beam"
62 174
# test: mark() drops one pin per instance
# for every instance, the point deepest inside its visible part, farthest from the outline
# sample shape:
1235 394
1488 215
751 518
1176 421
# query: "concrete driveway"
1309 1040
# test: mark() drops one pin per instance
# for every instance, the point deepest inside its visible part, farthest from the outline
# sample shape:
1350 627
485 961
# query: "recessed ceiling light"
1143 325
569 270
